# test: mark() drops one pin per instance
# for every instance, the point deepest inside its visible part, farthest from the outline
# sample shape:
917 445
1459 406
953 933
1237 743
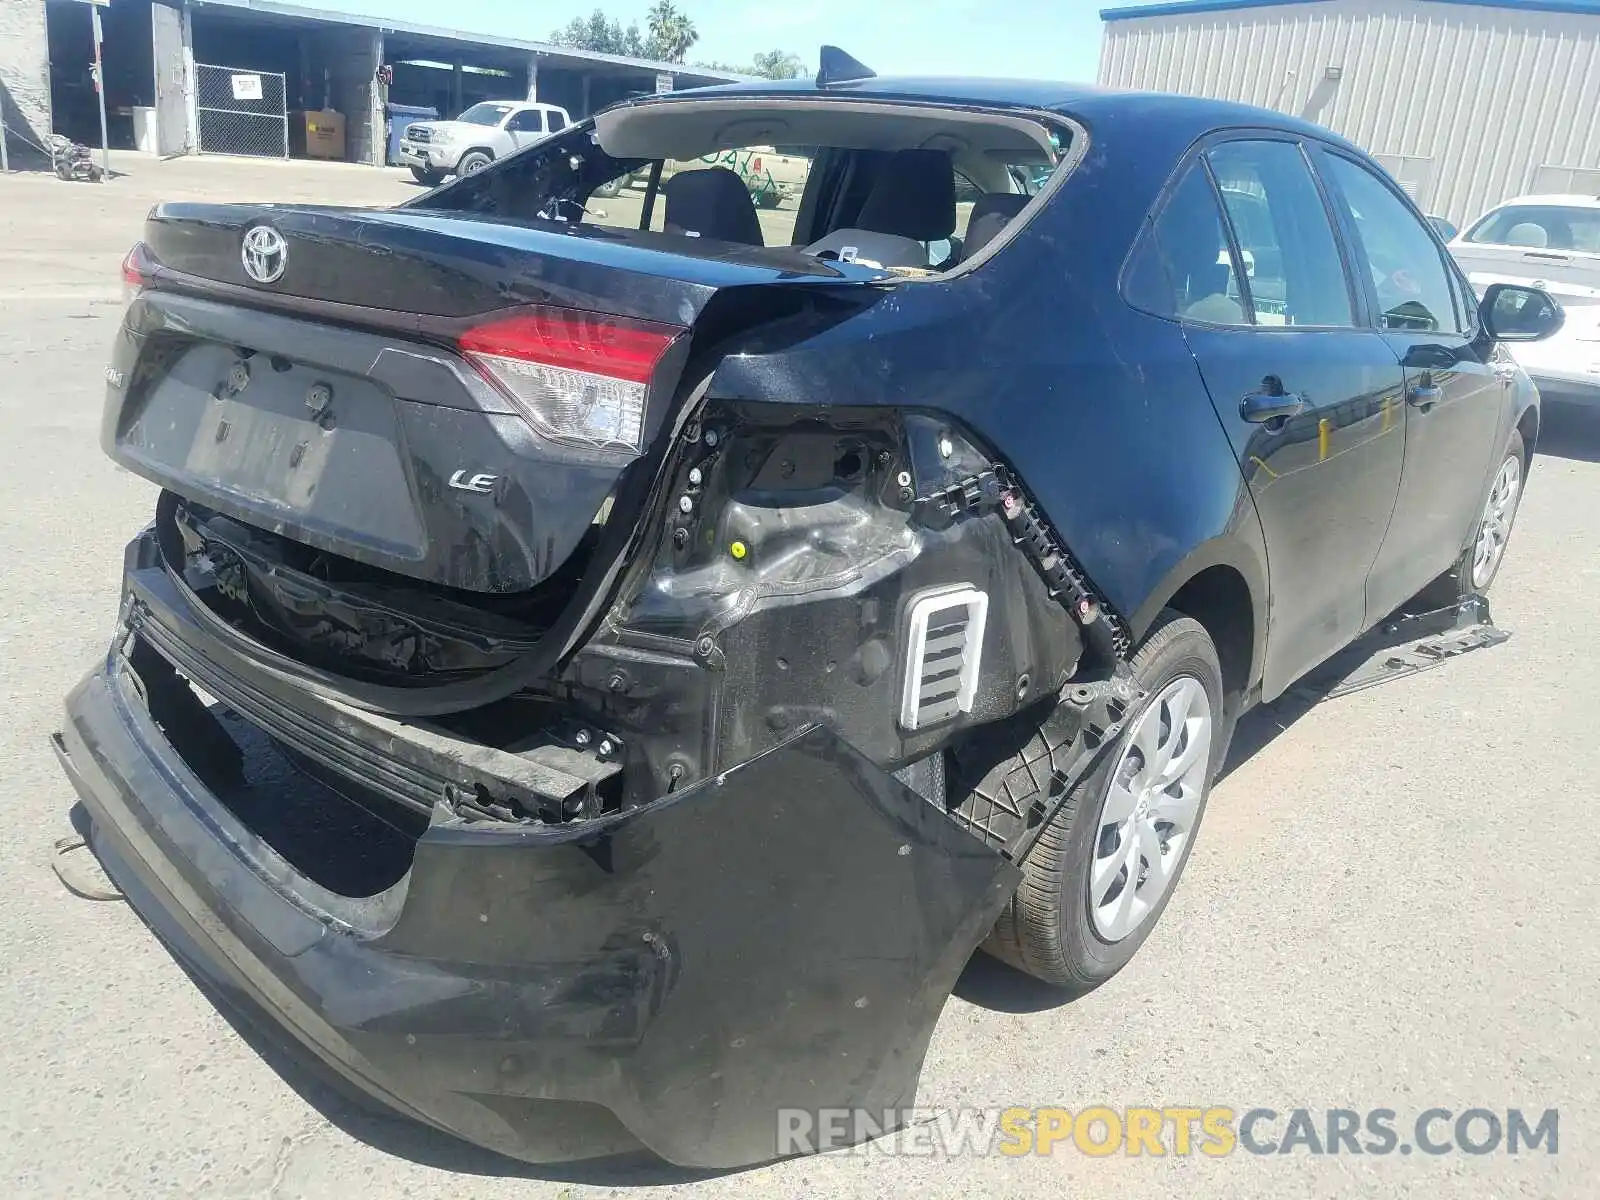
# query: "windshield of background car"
485 114
1541 227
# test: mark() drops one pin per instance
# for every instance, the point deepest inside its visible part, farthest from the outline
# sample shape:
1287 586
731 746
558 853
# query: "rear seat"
913 202
991 214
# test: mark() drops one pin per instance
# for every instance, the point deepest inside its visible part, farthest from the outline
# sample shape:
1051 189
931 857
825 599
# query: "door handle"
1262 407
1425 395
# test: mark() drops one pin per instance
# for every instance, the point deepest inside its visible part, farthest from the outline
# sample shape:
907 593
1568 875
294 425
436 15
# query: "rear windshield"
1541 227
914 190
485 114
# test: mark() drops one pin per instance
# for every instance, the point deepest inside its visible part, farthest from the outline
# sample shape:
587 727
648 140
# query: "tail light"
576 376
133 273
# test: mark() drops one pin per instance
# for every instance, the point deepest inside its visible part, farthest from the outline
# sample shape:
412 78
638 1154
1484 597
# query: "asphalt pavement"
1393 902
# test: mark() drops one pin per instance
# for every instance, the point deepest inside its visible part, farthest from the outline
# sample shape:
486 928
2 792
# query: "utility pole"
100 90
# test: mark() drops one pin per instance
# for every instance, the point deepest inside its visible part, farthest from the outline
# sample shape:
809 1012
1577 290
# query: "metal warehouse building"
1465 102
240 76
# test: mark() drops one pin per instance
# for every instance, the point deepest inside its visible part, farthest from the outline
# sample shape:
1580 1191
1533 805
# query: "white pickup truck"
486 131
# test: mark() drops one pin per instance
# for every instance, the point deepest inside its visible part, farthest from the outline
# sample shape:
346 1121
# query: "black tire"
473 161
426 176
1046 930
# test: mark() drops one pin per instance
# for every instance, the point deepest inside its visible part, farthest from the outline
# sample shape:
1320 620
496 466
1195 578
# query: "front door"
1457 403
1309 397
525 127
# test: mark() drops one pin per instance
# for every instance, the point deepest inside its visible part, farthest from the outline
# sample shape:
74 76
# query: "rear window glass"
900 189
1541 227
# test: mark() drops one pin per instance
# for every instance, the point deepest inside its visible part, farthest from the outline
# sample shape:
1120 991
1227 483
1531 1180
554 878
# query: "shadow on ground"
1569 431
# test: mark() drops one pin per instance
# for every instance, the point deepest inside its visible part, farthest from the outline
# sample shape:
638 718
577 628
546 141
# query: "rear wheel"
472 162
1104 867
426 176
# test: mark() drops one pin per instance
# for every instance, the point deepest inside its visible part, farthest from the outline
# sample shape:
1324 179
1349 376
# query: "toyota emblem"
264 253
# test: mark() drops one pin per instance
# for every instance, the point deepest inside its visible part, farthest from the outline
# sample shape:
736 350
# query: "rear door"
1307 394
1457 403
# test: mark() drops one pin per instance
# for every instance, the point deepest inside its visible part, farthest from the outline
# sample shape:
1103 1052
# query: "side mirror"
1513 313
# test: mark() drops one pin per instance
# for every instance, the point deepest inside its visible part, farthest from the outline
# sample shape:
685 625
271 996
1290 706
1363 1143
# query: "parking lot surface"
1392 904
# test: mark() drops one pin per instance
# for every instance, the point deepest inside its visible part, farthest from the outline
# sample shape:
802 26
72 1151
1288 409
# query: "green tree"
671 32
774 64
601 34
778 64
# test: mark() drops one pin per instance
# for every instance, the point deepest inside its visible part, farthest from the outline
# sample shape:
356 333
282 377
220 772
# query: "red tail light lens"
575 376
133 273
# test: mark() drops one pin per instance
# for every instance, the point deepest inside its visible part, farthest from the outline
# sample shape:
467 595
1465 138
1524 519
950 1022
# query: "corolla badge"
264 253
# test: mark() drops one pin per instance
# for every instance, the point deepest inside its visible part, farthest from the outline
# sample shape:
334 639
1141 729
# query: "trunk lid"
333 404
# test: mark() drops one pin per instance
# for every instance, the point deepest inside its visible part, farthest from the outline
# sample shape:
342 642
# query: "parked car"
591 686
1553 243
486 131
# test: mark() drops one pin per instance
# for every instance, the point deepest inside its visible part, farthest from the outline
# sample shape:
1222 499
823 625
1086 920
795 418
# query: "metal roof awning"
439 39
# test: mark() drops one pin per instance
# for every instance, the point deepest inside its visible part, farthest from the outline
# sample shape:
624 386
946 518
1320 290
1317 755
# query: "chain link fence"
242 112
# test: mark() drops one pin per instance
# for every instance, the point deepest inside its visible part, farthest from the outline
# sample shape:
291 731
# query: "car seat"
712 203
912 202
1526 233
992 213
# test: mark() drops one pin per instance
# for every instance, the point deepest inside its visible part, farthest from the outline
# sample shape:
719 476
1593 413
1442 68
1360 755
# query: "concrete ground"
1393 902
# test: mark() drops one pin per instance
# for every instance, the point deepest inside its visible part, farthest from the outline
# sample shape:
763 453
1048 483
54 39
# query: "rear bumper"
782 936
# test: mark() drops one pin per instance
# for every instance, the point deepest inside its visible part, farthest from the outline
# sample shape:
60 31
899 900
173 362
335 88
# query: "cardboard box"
317 134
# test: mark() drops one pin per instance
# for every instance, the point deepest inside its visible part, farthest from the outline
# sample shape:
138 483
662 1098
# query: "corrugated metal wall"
1465 104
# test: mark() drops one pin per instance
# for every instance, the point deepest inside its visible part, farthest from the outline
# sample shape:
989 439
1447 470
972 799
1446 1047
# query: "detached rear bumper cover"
783 935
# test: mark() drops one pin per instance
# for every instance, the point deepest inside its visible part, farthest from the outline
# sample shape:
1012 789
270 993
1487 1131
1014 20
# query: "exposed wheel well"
1219 599
483 150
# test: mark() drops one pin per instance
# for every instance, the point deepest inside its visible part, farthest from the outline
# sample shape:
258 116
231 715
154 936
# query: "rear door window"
1291 259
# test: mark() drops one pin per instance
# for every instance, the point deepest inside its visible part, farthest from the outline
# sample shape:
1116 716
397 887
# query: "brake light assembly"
577 377
135 272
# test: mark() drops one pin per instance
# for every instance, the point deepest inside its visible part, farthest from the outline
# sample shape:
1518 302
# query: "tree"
601 34
671 32
778 64
773 64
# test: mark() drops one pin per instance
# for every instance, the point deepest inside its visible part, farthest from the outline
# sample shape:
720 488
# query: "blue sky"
1040 39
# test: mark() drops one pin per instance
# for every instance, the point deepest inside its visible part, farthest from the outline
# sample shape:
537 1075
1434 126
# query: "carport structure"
231 75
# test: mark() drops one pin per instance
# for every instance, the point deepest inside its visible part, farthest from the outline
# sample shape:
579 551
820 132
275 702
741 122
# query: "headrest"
713 203
914 197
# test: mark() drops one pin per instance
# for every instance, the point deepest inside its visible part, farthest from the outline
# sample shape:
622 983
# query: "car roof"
1559 199
1194 115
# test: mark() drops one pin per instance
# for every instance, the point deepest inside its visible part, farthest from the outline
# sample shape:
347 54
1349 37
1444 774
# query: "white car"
486 131
1553 243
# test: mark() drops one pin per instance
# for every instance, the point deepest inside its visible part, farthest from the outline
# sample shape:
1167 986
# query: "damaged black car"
604 658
